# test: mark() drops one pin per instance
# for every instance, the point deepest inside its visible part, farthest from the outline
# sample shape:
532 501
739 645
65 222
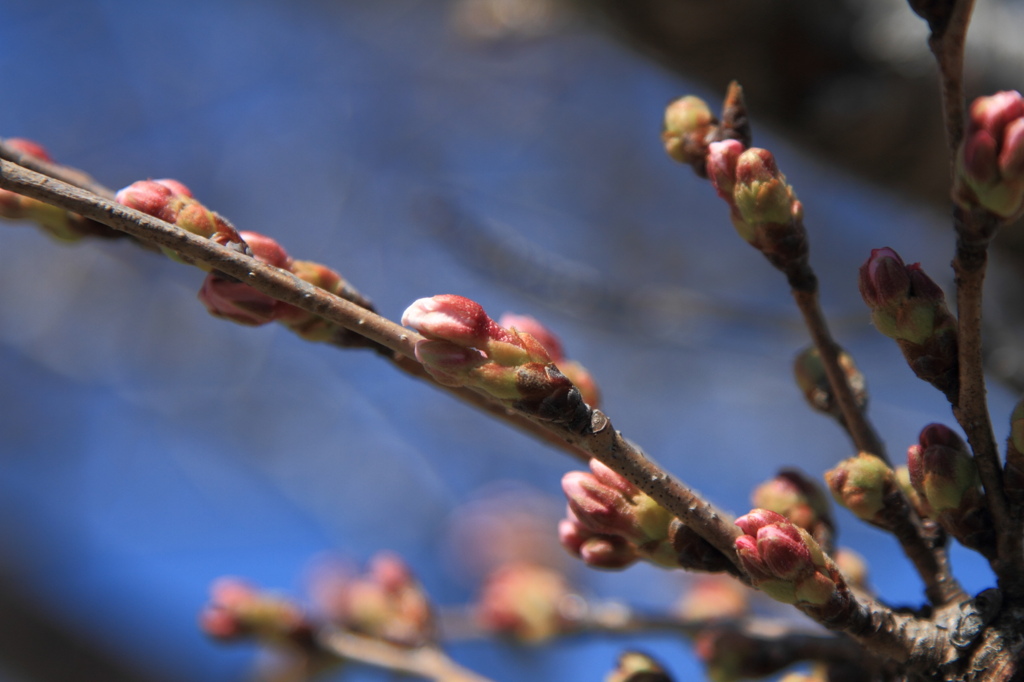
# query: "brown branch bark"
863 434
928 556
598 438
900 637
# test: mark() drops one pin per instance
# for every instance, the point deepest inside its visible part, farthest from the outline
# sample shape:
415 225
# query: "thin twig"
925 553
860 429
426 662
72 176
597 438
971 410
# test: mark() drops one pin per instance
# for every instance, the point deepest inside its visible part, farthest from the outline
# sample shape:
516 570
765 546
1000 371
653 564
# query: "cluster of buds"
465 347
908 306
863 484
227 298
799 499
945 477
1013 475
633 666
763 207
786 563
990 162
526 602
387 602
809 372
238 610
172 202
55 221
611 524
690 127
575 372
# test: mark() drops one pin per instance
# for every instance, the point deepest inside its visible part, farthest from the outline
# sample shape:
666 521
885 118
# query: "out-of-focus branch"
426 662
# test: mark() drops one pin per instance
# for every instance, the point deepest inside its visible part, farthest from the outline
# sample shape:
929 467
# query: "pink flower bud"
448 363
861 484
784 551
757 519
529 325
237 609
907 305
237 301
990 163
29 147
456 319
941 469
721 167
797 498
688 124
524 601
761 192
884 280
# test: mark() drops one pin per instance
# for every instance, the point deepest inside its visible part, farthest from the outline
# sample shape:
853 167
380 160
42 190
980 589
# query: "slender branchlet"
976 220
426 662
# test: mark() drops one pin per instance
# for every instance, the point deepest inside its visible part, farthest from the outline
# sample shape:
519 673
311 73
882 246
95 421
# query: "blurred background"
506 150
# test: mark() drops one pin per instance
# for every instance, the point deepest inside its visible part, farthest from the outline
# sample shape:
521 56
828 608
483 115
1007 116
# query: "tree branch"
427 662
596 437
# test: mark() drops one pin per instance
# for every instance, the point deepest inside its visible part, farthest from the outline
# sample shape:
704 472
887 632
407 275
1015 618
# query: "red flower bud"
990 163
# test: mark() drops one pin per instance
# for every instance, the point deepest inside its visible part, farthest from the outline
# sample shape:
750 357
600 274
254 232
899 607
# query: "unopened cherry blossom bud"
608 510
573 371
944 474
784 561
517 371
799 499
633 666
455 319
611 552
236 301
524 601
941 469
533 327
861 484
809 372
386 602
172 202
237 609
714 597
763 207
721 168
761 192
908 306
55 221
990 162
689 125
853 567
